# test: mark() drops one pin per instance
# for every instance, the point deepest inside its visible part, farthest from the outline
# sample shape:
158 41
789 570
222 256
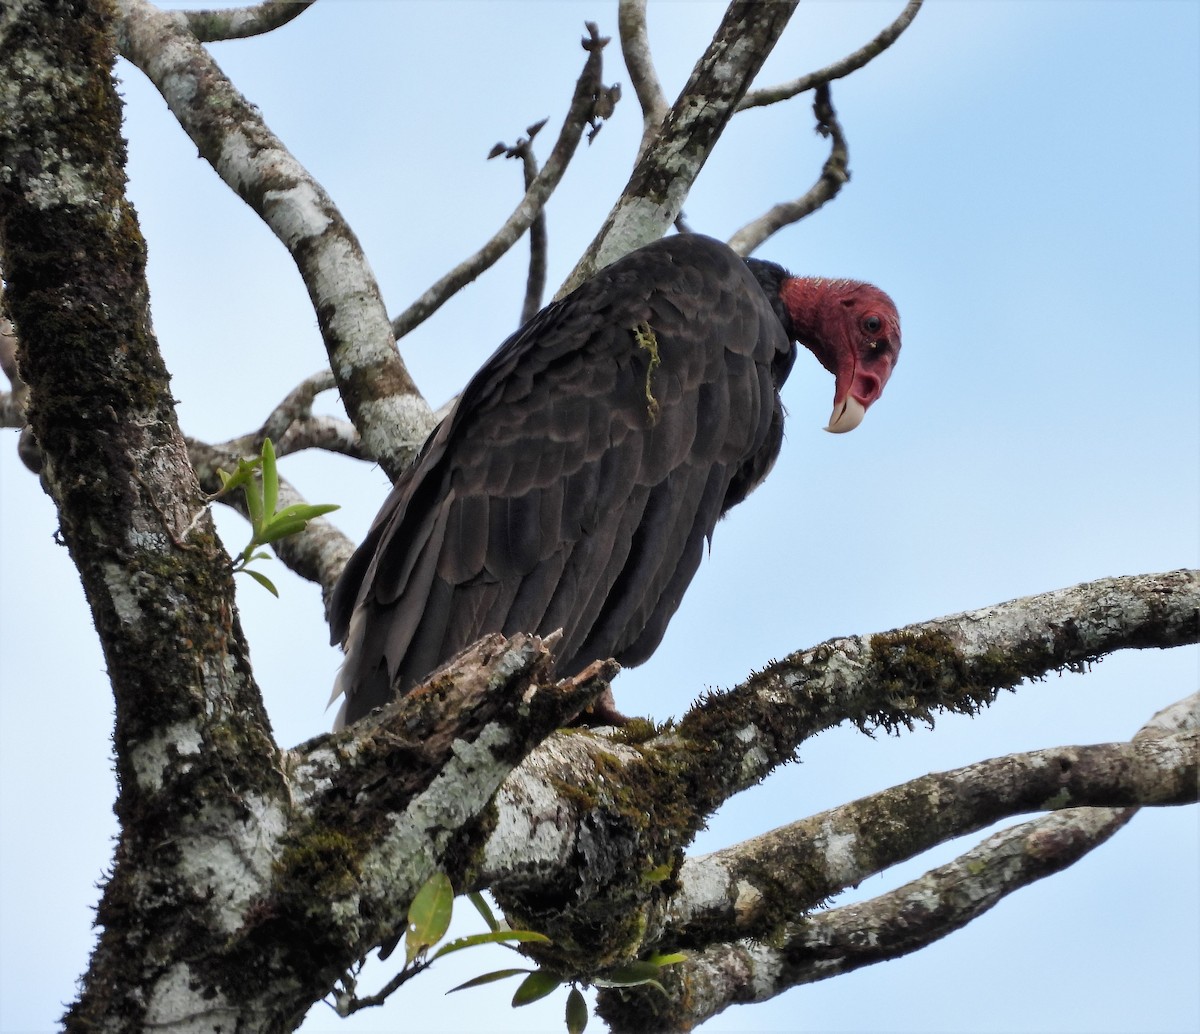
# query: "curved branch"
665 172
958 663
380 396
839 69
736 893
635 48
828 943
243 22
292 427
835 173
831 943
643 796
296 406
581 113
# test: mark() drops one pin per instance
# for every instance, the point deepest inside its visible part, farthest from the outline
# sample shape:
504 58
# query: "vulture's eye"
872 324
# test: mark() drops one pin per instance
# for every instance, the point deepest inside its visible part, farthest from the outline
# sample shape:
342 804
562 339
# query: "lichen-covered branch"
667 168
380 396
835 173
803 948
736 893
243 22
958 664
197 770
629 807
831 943
839 69
581 112
635 48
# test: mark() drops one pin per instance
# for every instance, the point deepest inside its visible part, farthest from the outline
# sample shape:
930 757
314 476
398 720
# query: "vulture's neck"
812 305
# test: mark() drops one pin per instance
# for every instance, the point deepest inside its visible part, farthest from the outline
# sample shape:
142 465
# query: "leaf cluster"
259 481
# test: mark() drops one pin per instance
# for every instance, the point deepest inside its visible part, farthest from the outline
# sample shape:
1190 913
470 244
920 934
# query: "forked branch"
583 111
380 396
780 947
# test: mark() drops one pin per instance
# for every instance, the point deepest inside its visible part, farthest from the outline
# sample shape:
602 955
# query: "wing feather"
574 483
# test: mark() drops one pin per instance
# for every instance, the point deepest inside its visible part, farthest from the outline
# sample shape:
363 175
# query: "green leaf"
485 910
242 476
273 531
254 505
304 511
491 937
577 1012
262 580
669 959
631 975
537 985
488 978
428 915
270 478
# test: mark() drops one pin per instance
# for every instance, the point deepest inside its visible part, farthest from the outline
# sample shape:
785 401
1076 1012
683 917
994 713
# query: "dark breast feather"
573 485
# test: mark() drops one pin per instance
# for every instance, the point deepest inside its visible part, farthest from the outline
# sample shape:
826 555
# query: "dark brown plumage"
581 471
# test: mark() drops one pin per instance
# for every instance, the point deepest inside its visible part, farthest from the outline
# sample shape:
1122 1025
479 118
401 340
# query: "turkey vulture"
582 469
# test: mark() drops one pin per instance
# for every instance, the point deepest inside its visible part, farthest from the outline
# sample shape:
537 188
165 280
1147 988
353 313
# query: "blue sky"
1025 185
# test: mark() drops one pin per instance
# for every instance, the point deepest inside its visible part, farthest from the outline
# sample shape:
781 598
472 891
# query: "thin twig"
635 48
535 282
839 69
665 171
582 112
349 1003
835 173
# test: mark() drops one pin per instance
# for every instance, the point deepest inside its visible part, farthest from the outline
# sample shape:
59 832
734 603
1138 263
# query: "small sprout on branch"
259 480
429 916
539 983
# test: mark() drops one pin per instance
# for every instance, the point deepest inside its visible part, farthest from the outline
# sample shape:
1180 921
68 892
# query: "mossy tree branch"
193 747
630 807
737 893
805 948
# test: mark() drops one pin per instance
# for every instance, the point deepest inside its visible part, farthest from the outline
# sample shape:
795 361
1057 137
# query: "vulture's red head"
854 330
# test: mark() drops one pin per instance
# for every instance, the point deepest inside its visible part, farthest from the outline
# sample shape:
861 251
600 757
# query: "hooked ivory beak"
847 416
